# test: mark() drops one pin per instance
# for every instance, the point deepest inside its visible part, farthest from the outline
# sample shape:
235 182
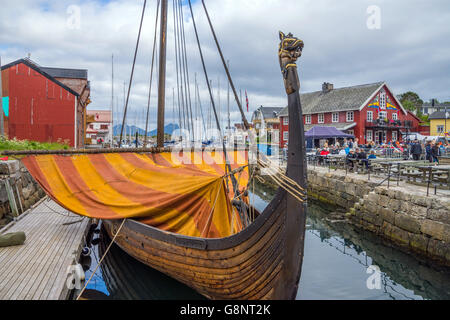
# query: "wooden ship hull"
257 263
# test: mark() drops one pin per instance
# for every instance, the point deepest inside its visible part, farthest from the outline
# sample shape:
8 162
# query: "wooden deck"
38 269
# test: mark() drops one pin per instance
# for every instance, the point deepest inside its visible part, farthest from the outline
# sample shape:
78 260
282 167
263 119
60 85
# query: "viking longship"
187 212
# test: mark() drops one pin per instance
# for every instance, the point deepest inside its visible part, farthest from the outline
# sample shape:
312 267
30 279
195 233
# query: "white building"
99 131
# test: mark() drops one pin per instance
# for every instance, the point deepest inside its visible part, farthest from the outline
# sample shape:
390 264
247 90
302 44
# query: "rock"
440 215
26 192
439 249
394 205
407 223
9 167
419 211
399 236
402 196
419 242
387 215
437 230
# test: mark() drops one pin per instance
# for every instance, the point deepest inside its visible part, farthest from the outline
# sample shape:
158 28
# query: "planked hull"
249 265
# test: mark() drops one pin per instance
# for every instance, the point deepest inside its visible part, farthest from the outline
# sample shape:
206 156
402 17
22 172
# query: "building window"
394 136
383 101
321 118
286 121
369 135
440 129
103 127
352 132
285 135
350 116
308 119
369 115
394 116
382 115
335 117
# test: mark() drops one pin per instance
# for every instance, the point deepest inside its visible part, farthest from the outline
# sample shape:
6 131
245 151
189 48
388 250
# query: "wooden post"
11 198
162 73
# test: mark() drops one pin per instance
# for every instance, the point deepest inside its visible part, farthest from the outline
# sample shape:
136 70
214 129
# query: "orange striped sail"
184 192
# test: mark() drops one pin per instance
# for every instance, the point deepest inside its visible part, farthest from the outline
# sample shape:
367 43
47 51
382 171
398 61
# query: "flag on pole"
246 99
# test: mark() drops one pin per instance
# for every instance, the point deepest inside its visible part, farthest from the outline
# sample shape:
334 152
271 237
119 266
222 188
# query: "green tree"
410 100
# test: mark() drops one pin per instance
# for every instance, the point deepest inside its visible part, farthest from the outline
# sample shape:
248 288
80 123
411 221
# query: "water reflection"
337 258
335 267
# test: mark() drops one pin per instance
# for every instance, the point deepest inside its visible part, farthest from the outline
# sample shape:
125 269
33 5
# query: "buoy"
79 272
86 251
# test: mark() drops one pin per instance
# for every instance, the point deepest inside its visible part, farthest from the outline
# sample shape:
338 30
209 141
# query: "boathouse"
370 112
40 107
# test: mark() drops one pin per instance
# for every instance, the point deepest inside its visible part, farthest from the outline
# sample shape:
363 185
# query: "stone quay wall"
18 191
403 214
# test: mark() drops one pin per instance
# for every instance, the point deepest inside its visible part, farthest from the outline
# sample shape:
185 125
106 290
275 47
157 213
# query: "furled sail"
184 193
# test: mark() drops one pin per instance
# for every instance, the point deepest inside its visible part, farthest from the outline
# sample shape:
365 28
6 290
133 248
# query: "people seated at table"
362 157
343 152
334 150
350 159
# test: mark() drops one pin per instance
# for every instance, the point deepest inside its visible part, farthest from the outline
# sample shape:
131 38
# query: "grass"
19 145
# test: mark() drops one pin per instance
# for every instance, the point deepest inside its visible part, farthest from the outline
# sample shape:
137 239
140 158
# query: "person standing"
435 153
416 150
428 152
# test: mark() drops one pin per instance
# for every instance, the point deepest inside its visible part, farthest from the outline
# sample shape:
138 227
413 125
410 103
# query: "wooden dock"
38 270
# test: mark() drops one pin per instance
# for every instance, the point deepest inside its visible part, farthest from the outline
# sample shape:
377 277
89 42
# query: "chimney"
327 87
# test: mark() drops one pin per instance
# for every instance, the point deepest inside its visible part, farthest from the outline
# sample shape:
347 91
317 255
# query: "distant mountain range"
168 129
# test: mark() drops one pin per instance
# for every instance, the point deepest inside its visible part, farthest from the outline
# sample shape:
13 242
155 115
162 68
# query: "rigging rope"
132 74
186 68
180 103
227 166
244 119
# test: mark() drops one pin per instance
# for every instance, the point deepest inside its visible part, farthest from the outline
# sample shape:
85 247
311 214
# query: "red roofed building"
39 107
370 112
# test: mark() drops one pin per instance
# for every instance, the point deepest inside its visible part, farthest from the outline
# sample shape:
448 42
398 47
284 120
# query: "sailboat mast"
112 101
162 73
228 105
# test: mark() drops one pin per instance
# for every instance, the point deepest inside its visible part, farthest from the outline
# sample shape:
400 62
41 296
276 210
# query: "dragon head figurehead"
289 51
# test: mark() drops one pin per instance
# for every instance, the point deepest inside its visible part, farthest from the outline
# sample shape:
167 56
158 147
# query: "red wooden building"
370 112
39 107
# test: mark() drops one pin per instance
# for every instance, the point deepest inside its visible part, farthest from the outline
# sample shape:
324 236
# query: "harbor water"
339 263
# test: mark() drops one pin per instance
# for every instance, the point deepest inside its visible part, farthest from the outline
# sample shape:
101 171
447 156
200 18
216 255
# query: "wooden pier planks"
37 270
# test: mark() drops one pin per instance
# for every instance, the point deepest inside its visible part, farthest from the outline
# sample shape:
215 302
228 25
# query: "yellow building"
440 123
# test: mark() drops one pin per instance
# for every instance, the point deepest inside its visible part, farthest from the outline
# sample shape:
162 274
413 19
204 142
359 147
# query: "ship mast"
162 73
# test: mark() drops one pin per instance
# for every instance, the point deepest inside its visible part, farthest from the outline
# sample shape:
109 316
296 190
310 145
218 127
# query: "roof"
439 115
340 99
39 70
436 105
326 132
66 73
269 112
100 115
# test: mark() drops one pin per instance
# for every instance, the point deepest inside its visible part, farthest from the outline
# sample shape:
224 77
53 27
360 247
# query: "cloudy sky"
351 42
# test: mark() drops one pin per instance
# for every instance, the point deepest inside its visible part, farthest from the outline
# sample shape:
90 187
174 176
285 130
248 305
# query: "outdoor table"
429 169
